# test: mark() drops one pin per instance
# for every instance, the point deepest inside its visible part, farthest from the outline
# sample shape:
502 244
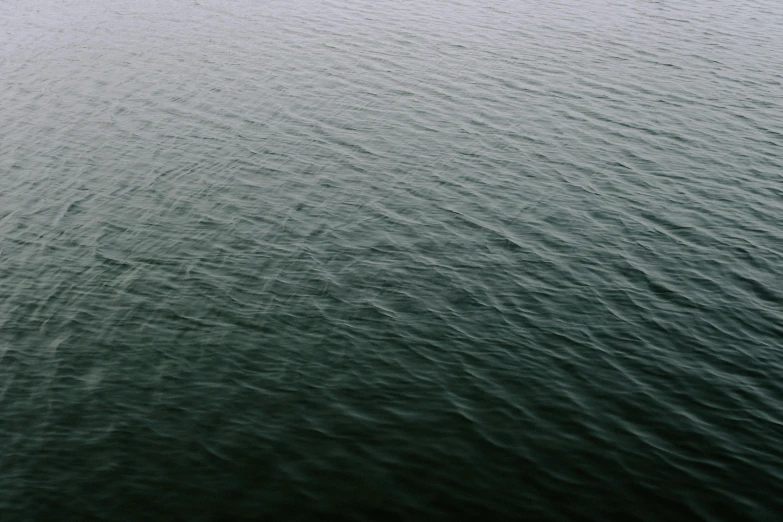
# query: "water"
393 260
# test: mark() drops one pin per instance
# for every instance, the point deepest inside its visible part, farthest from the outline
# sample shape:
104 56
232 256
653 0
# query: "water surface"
299 260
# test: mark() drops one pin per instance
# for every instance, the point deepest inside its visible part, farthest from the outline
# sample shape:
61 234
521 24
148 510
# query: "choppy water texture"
391 260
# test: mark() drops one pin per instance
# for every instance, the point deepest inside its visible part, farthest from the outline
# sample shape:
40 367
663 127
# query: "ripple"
400 260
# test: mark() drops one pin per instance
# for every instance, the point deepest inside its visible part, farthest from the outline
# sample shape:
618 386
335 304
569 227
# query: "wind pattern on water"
393 260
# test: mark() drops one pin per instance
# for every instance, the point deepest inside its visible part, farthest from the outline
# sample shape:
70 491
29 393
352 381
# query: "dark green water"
309 260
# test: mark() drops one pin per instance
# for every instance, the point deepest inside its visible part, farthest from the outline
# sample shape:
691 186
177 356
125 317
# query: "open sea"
304 260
